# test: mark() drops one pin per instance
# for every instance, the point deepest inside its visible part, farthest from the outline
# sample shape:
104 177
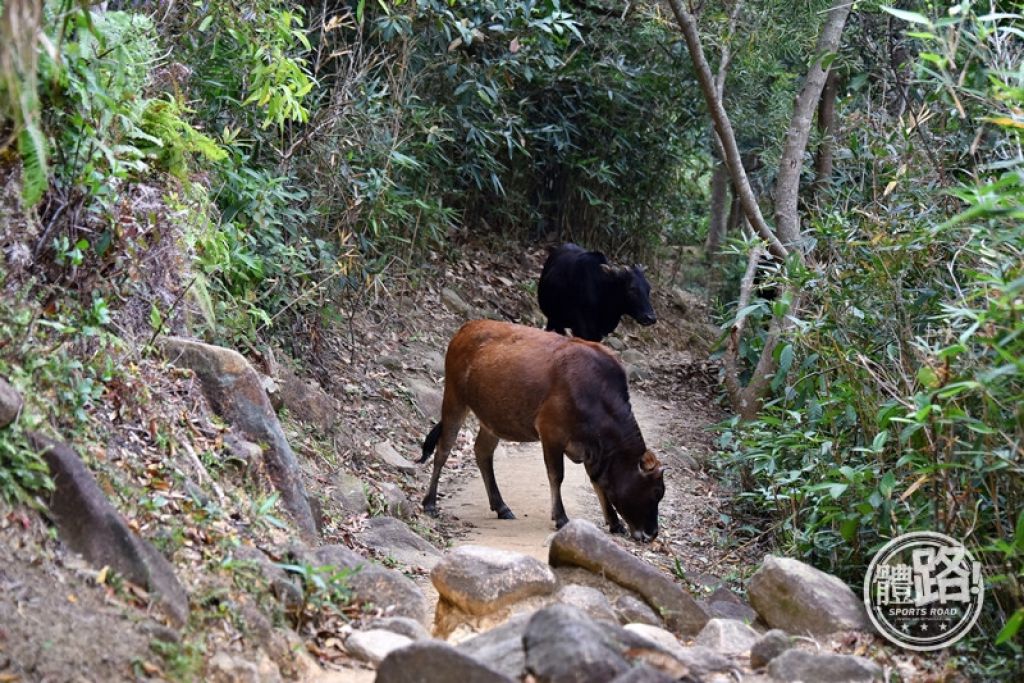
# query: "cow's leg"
453 413
486 442
555 462
615 524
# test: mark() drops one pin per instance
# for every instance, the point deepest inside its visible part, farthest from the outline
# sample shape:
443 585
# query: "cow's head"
636 292
635 493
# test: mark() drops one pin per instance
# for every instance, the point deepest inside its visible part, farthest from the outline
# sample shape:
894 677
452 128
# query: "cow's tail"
430 443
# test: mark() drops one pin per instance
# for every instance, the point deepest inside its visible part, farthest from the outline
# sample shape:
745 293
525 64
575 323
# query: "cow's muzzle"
647 320
641 536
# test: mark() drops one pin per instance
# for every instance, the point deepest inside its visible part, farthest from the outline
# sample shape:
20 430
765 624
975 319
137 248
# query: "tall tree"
784 239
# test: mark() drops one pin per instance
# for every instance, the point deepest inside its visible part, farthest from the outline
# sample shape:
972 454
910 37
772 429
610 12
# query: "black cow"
581 291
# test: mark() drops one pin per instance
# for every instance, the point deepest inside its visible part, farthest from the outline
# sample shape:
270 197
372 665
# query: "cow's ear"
649 462
638 267
608 269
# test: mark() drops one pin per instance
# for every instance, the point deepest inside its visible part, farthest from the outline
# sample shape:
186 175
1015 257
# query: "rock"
246 453
90 525
615 343
592 601
723 594
657 635
371 584
698 660
455 302
433 661
396 503
433 362
646 674
768 647
391 362
161 633
633 357
799 665
633 611
563 646
307 402
798 598
426 397
637 372
722 609
226 668
682 457
481 580
410 628
233 389
501 647
389 537
727 636
374 645
284 588
387 454
580 543
349 493
273 391
689 304
10 403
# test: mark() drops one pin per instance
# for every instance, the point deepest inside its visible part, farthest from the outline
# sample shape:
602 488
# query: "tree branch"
688 25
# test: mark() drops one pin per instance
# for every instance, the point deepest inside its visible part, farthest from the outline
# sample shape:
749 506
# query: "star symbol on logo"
924 627
906 627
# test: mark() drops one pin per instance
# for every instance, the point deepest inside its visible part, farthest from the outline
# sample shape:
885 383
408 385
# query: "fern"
175 140
33 149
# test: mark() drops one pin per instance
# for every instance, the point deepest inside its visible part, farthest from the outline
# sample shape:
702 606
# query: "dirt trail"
522 478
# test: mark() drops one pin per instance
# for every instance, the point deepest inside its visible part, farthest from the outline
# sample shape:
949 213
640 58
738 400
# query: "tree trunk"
827 128
724 129
746 400
718 215
787 183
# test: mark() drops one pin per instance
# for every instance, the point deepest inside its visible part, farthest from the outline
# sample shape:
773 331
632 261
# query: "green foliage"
20 22
897 405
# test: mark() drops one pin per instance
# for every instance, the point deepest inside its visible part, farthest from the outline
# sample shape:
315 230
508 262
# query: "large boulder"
389 537
10 403
433 661
233 388
807 667
563 646
579 543
481 580
796 597
390 591
90 525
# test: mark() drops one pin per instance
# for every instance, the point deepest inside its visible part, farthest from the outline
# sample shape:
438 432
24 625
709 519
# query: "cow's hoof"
559 523
430 510
617 528
505 513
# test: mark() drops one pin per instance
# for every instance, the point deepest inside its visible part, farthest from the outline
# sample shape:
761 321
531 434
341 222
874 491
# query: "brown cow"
525 384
